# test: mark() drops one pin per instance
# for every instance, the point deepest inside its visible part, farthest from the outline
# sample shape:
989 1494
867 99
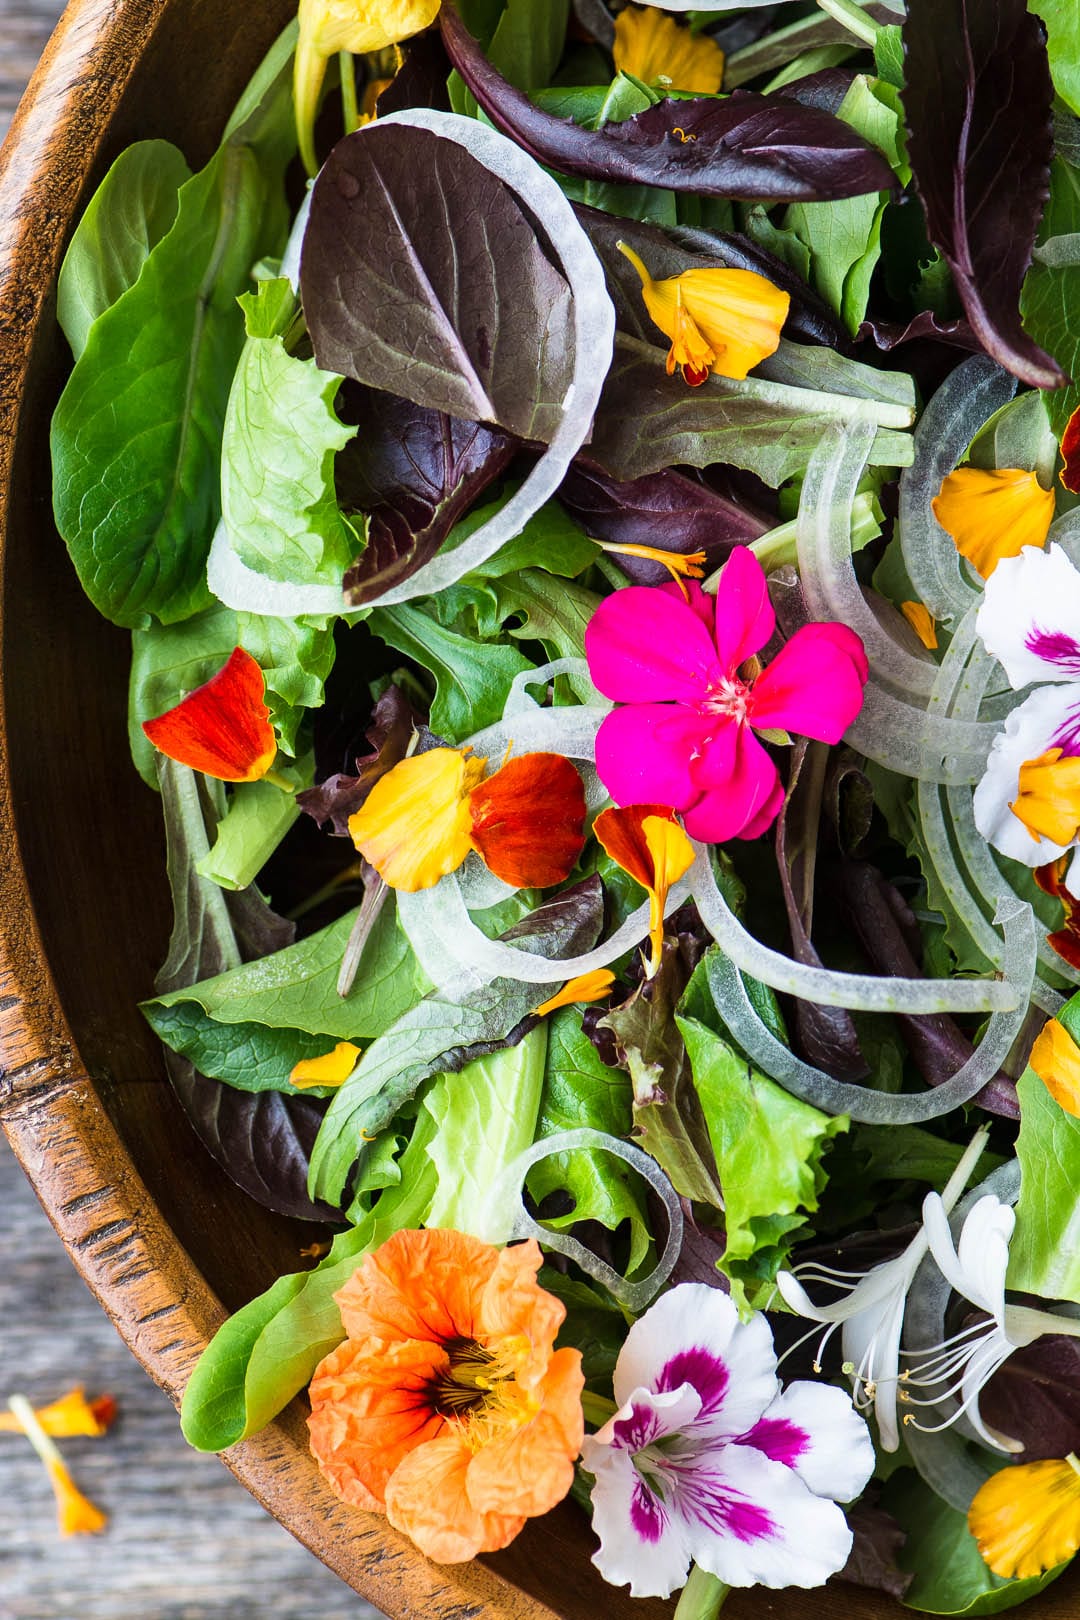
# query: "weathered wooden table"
185 1541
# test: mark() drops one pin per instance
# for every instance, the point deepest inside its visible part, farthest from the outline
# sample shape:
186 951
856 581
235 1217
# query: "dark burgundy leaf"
392 723
1035 1398
885 925
826 1035
415 472
1066 939
878 1540
420 81
750 147
421 275
824 89
701 1248
665 509
887 335
978 97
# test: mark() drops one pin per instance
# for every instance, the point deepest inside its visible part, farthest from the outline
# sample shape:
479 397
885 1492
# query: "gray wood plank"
25 25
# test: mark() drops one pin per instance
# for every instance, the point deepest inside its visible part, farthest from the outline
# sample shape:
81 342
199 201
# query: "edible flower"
653 47
76 1514
921 621
359 26
709 1460
72 1415
1055 1058
447 1407
1026 1519
1028 802
420 821
720 321
692 695
647 841
329 1069
993 513
1070 453
1052 880
586 987
223 727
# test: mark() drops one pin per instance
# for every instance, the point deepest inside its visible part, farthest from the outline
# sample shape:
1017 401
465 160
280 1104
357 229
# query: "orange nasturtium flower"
647 841
328 1069
993 514
223 727
447 1407
721 321
359 26
72 1415
1055 1058
1048 803
1026 1519
76 1514
653 47
1051 879
921 620
525 821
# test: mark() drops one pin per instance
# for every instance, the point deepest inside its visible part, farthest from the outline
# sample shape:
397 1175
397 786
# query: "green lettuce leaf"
1044 1255
1052 288
1062 21
257 819
472 679
251 1057
295 656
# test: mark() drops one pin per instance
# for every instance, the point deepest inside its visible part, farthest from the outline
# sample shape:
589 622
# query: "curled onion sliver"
242 588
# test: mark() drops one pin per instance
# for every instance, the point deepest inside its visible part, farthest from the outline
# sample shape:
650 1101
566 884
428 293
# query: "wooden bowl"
162 1237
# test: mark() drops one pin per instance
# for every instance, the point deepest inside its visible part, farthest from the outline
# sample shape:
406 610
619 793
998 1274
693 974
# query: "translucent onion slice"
860 992
242 588
966 399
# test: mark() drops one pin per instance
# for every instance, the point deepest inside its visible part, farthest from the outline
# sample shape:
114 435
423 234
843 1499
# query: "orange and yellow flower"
1048 803
526 821
647 841
1070 453
1026 1519
223 727
1051 879
653 47
994 513
1055 1058
921 620
328 1069
76 1514
72 1415
447 1407
722 321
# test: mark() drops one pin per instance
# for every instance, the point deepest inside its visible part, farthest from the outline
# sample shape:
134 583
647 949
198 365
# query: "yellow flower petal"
76 1515
655 48
921 621
1049 800
1055 1058
993 514
672 855
331 1069
720 320
71 1415
1026 1519
586 987
415 825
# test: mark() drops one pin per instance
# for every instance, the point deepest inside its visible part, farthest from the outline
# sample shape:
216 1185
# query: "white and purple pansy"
1030 622
709 1461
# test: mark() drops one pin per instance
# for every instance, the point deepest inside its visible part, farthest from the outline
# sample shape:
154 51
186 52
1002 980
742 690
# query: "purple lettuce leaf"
978 102
878 1541
1035 1397
332 802
420 81
749 147
888 335
422 276
414 471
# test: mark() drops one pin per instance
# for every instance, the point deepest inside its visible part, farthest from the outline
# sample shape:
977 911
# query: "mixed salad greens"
598 541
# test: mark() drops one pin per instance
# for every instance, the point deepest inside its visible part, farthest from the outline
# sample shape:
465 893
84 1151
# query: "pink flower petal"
697 599
814 686
644 753
645 646
742 793
744 615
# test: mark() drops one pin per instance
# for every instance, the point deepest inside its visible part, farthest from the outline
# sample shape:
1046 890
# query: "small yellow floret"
76 1515
1026 1519
330 1069
672 857
1055 1058
415 825
993 514
653 47
586 987
921 621
1049 800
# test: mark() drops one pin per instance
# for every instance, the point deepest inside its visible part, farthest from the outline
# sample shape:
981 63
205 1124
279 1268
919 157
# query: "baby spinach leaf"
472 679
747 146
476 320
1043 1255
251 1057
978 97
132 209
1063 45
136 436
280 439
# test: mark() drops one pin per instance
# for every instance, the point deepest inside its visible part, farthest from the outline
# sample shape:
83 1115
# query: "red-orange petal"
528 820
223 727
1070 453
1066 939
622 835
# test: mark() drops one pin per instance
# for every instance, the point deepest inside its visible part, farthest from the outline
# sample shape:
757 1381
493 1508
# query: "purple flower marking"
647 1513
780 1440
633 1433
1055 647
719 1508
702 1370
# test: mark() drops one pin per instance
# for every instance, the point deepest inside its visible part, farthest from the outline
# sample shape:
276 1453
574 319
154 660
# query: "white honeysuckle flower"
709 1461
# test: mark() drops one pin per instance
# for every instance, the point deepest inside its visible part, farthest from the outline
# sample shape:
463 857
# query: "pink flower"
685 733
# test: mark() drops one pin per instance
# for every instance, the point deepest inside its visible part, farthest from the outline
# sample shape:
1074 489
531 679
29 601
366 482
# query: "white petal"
993 1350
871 1341
692 1335
1030 616
1049 718
646 1418
642 1542
751 1522
814 1429
977 1270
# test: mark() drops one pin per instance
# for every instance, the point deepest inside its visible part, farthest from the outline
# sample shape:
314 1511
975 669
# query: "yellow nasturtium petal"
921 621
1026 1519
1048 803
653 47
1055 1058
76 1514
415 824
586 987
993 513
329 1069
672 855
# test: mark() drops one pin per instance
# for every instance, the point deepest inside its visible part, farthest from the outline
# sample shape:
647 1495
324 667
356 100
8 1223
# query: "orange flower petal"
1026 1519
1066 939
531 1468
586 987
655 48
993 514
223 727
71 1415
720 320
1055 1058
921 621
621 834
1048 803
528 820
428 1498
331 1069
1070 453
514 1307
419 1285
368 1412
413 827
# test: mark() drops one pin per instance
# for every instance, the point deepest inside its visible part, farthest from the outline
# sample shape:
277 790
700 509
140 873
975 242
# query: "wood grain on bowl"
165 1241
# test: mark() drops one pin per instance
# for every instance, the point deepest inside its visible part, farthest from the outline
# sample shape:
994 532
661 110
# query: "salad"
593 491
